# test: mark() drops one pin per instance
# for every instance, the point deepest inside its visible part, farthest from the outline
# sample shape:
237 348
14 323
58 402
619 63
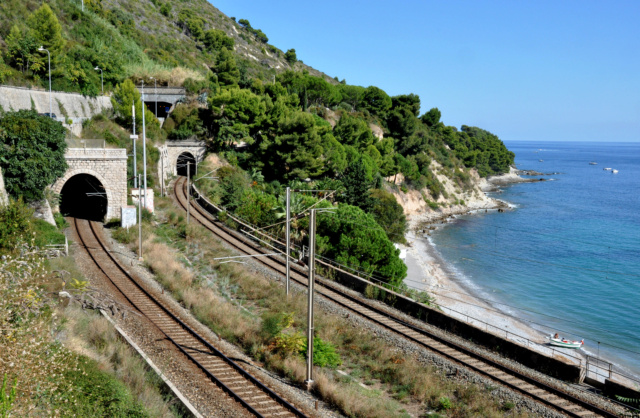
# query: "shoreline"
459 298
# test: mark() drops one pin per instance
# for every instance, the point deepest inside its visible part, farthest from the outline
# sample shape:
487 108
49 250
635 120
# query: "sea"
566 258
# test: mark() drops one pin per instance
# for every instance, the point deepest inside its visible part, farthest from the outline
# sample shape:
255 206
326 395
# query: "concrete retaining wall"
77 107
507 348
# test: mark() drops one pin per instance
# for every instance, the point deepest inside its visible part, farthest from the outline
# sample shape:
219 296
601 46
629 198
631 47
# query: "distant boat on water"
541 161
614 171
607 168
593 163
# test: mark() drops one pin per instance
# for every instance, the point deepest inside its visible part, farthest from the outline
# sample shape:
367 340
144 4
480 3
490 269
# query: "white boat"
614 171
561 342
593 163
541 161
607 168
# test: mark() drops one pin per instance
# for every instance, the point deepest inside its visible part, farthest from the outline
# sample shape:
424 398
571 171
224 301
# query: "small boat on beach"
561 342
593 163
607 168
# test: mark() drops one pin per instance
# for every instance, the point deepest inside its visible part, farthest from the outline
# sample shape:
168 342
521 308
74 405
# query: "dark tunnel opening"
185 159
161 108
84 197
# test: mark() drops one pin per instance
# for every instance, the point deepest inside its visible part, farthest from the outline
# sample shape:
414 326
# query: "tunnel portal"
84 197
185 159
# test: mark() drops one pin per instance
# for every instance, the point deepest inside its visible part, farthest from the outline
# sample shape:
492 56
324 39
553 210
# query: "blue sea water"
567 258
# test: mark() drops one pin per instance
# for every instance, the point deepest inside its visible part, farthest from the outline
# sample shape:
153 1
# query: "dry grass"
232 301
42 343
92 335
174 77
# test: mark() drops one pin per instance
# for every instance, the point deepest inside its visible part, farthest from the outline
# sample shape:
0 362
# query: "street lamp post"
101 78
312 267
288 237
310 327
50 101
155 93
134 137
144 148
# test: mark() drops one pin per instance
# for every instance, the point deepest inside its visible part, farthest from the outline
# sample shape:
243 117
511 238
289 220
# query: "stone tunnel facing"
185 159
84 197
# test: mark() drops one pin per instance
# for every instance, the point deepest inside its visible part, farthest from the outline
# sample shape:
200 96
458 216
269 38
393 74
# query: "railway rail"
528 386
222 371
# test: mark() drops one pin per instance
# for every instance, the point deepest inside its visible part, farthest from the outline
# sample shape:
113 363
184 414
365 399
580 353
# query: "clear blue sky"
524 70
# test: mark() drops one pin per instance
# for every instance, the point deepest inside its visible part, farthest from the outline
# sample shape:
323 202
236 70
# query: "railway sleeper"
447 350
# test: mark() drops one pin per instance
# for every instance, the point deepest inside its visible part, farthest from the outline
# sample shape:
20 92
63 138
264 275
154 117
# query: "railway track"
549 396
254 396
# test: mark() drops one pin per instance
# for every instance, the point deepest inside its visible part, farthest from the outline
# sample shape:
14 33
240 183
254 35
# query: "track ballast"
528 386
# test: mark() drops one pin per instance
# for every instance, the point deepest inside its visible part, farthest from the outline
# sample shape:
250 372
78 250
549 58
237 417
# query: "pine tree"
357 187
46 29
226 68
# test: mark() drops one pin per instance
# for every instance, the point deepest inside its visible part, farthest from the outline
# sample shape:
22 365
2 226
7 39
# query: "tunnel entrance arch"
83 196
186 159
107 166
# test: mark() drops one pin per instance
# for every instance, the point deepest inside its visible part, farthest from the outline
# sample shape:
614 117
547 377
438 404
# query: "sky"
524 70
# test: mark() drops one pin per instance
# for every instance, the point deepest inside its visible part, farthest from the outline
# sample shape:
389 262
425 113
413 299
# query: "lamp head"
97 68
41 49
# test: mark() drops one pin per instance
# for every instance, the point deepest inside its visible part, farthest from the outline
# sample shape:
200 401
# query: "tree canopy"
353 237
32 151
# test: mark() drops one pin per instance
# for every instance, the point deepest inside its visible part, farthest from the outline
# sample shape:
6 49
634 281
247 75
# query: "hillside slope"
138 39
294 122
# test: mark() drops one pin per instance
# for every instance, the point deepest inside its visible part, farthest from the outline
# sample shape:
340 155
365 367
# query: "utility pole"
161 174
288 236
144 149
310 328
188 191
134 137
139 226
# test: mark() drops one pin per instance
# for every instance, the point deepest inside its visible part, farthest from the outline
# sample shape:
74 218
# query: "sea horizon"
563 258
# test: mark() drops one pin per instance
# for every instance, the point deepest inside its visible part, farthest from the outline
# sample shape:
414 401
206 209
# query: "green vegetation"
43 372
356 372
291 56
275 129
15 225
31 153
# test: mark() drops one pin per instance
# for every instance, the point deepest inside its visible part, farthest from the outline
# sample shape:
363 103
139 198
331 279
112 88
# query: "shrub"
32 151
292 342
273 324
101 394
444 403
324 353
508 406
371 292
125 235
15 224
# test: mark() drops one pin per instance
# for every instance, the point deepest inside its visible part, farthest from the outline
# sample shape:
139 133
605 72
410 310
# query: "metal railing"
56 250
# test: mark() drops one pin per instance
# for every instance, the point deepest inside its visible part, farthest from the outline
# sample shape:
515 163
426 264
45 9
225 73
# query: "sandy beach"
429 272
